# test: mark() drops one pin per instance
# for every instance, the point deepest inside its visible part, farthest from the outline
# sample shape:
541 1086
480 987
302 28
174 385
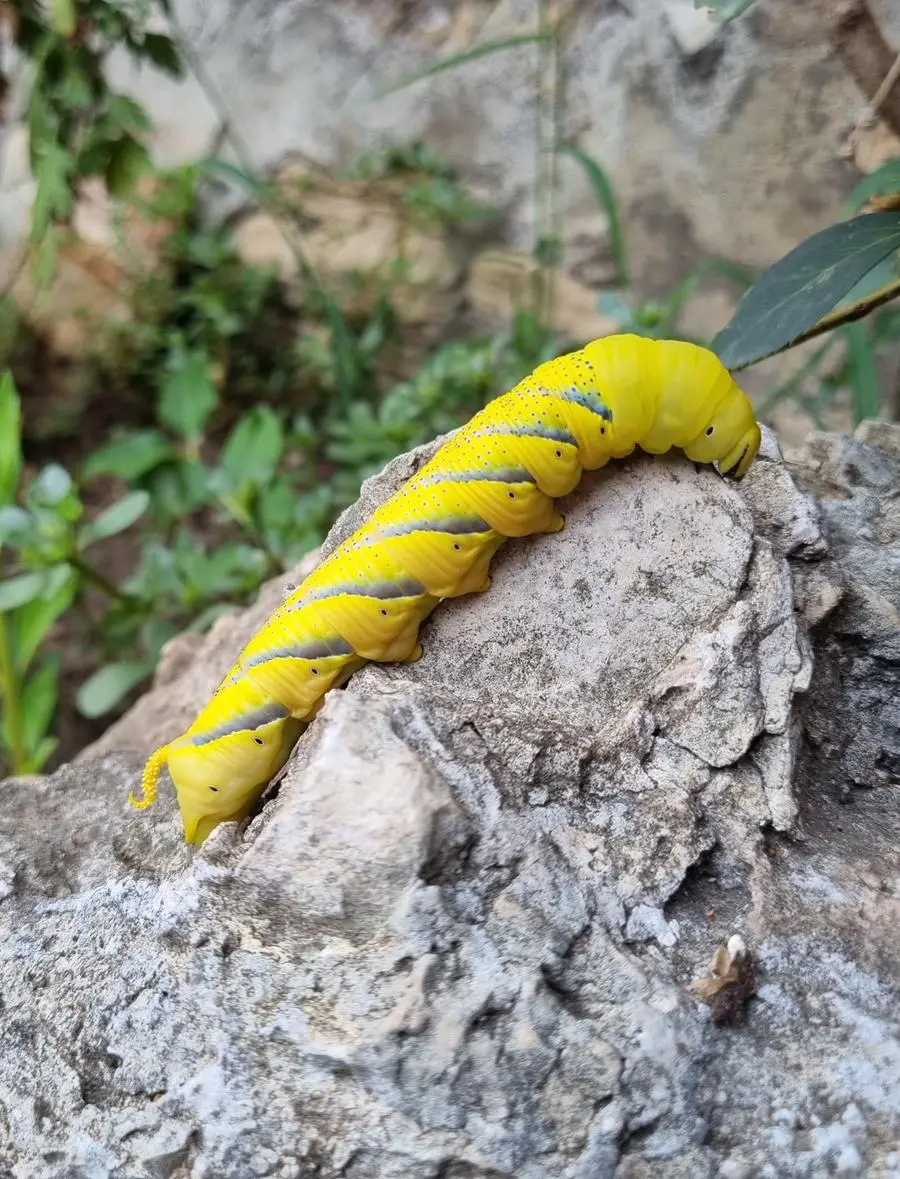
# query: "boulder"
469 935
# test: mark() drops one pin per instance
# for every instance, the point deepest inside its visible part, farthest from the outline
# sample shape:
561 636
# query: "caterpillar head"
218 780
730 437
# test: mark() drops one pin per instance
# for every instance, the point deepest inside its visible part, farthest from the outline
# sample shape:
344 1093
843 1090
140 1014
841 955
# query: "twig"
875 66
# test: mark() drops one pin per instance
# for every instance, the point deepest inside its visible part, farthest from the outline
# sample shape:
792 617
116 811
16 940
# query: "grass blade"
457 59
606 199
864 391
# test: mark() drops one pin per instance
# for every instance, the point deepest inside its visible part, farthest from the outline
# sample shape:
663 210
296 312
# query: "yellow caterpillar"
495 478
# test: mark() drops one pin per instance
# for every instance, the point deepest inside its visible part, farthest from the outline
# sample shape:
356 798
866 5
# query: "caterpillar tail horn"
150 780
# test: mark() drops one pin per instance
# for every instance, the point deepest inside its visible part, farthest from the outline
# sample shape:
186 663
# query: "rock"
692 27
354 228
459 940
500 282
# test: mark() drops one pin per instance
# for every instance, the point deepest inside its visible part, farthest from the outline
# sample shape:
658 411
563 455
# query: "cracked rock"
458 940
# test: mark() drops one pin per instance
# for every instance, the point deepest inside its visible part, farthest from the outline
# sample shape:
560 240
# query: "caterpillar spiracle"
496 478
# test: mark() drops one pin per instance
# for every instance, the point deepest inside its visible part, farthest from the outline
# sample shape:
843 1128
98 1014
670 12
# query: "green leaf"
882 182
254 447
117 518
130 456
216 166
36 761
50 487
45 258
63 17
613 306
16 591
864 388
16 525
32 622
128 161
188 396
39 696
605 197
101 692
163 52
53 196
128 114
10 438
804 286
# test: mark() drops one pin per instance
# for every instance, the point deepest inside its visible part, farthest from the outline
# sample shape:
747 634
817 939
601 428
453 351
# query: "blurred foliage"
430 191
79 127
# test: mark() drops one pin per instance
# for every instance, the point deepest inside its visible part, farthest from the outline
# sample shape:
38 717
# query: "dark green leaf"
109 686
116 518
10 439
804 286
188 396
163 52
130 456
75 89
128 161
39 695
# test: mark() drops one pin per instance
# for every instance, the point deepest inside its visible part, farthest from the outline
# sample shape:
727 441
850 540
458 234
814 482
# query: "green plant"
43 542
78 126
430 188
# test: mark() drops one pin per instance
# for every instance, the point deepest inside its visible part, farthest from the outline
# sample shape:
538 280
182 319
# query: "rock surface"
457 944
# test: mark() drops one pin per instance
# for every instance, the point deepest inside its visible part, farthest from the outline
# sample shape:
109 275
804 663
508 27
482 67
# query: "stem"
89 573
856 36
542 178
9 686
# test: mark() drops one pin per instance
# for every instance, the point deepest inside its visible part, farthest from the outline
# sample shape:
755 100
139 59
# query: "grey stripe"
496 475
249 721
551 433
455 526
406 587
318 649
589 401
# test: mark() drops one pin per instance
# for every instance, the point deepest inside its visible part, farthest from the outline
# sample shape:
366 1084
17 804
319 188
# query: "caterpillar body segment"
498 477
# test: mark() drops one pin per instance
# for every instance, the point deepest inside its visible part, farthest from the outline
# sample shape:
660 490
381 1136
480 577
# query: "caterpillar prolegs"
496 478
